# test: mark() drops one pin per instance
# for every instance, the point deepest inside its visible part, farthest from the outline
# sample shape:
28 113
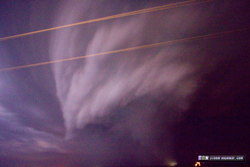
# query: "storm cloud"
117 108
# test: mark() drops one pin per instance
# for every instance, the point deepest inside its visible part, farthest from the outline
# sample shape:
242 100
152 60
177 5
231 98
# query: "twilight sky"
150 106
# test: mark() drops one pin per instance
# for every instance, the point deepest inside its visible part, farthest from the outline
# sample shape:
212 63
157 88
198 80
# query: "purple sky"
151 106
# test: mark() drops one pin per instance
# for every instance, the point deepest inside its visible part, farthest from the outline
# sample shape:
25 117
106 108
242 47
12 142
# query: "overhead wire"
213 35
147 10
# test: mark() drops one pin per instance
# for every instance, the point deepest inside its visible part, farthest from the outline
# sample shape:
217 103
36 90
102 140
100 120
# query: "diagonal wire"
183 40
158 8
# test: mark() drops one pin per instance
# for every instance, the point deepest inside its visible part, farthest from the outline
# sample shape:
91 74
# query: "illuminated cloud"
105 82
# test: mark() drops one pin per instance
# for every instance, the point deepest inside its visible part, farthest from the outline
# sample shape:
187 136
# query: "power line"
130 49
158 8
